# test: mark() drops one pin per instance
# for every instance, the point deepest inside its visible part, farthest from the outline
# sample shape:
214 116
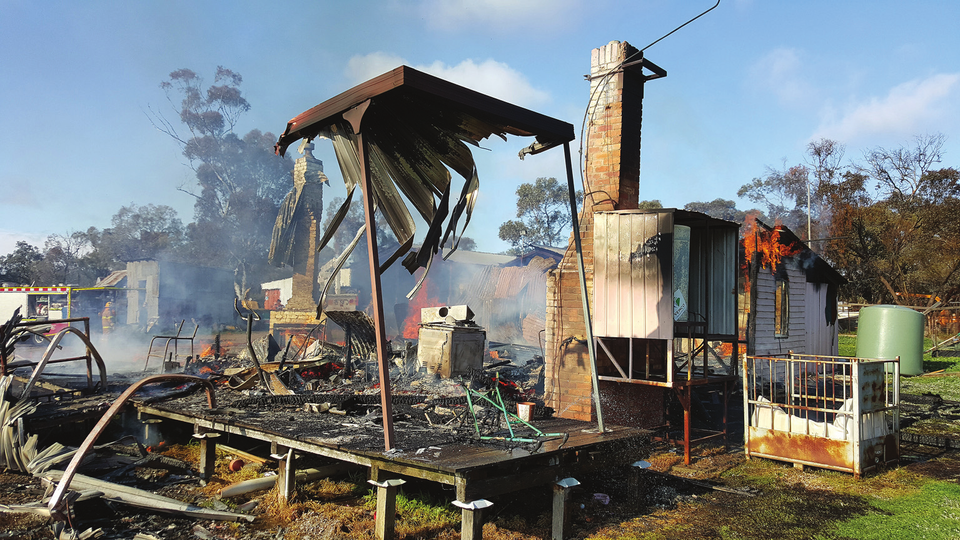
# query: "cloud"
363 67
20 197
909 108
489 77
780 71
499 15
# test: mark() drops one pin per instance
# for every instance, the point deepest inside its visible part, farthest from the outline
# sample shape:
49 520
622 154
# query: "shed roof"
404 80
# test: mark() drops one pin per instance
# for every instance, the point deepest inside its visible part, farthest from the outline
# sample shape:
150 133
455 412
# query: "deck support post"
471 521
287 473
386 507
561 510
636 476
208 451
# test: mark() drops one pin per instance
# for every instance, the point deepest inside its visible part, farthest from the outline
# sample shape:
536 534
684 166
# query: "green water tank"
886 332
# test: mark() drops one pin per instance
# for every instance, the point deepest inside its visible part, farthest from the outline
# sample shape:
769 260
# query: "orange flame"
766 243
411 326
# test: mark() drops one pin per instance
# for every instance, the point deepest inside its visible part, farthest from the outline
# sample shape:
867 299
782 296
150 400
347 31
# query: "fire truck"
37 304
51 304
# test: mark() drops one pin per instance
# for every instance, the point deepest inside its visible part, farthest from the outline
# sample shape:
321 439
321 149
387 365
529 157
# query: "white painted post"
386 507
471 523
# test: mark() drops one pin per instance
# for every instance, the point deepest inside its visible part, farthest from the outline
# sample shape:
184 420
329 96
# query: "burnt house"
507 293
162 293
789 300
653 336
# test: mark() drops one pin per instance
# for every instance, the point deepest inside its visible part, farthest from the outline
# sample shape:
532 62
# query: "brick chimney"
612 183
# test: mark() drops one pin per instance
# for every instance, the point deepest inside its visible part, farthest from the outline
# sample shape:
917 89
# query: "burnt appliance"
450 343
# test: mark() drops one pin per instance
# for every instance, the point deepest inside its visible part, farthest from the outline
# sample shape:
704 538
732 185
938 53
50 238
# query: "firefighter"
106 317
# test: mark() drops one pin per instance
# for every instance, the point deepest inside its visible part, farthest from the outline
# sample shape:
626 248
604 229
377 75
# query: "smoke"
123 352
509 301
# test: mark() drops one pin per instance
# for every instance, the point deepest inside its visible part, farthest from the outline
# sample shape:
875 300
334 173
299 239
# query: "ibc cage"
823 411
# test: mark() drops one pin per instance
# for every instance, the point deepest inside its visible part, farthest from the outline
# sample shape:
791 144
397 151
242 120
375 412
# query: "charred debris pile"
309 376
308 383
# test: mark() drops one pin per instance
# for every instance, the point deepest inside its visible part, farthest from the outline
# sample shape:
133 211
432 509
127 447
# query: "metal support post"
386 507
561 510
355 116
588 323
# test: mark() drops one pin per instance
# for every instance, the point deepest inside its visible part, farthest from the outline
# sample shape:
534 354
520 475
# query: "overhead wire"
584 127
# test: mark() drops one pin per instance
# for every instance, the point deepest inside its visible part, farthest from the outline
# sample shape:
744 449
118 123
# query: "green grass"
946 386
419 513
932 513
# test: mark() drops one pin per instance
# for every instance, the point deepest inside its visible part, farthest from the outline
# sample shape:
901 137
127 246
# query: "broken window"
781 309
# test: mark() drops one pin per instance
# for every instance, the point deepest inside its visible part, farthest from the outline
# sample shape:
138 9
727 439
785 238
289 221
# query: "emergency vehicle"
37 304
50 304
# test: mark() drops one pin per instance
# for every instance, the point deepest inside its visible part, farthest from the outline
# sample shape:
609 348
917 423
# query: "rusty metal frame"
58 505
794 423
92 354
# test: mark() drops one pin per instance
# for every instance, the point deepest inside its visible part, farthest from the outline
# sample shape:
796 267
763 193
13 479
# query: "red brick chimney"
612 176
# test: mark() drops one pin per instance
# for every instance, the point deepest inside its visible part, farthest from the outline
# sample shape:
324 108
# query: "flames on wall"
767 245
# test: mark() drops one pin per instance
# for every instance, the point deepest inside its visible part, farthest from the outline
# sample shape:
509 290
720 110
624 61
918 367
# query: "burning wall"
789 294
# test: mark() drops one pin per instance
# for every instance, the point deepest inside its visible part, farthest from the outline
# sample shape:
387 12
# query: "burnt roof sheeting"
362 334
417 126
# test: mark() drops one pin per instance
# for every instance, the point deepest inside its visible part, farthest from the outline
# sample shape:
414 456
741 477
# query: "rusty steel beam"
355 117
52 347
57 504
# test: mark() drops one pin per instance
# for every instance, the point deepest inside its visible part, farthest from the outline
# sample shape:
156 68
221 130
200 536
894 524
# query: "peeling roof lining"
510 118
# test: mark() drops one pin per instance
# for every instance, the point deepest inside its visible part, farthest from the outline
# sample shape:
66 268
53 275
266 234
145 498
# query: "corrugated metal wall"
713 267
633 274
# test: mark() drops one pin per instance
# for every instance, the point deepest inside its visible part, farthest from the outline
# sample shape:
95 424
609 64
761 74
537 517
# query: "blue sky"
748 86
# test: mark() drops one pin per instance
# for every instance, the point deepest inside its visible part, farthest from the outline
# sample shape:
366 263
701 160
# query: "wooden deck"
477 469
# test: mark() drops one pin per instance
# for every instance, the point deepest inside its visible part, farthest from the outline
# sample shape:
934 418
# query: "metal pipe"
253 353
54 343
57 505
591 349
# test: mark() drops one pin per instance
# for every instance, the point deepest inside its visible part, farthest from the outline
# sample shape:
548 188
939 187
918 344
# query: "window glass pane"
781 310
